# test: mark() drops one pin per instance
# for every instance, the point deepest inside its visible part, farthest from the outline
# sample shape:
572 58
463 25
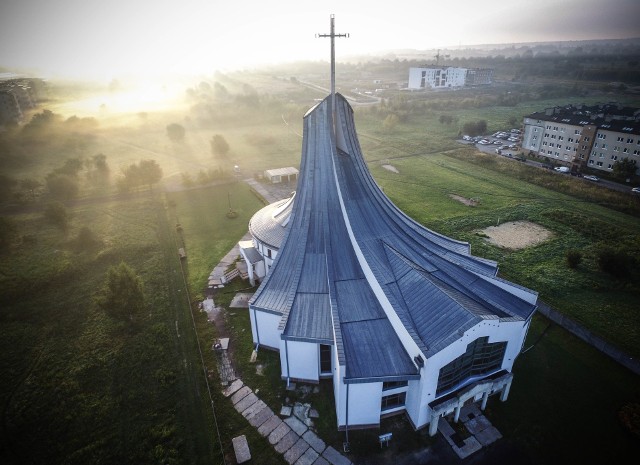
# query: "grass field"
79 386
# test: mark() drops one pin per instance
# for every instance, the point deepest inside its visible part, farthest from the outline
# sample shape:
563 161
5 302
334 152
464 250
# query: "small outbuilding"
279 175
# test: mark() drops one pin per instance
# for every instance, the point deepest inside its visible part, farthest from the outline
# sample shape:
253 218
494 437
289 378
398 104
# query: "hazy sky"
108 38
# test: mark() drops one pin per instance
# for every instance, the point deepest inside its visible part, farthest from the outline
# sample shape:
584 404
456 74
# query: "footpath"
289 437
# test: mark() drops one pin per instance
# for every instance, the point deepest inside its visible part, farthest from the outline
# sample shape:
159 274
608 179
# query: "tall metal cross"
333 35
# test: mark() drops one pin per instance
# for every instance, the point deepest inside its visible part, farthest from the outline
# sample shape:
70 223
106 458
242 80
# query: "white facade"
434 77
362 404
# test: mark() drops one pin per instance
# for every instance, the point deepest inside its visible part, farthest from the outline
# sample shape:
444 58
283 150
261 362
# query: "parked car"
591 177
562 169
636 190
497 142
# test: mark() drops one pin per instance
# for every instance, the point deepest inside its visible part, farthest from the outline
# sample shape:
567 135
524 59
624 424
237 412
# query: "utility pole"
332 35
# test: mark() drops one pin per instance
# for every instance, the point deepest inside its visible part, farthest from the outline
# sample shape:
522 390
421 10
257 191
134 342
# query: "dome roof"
268 225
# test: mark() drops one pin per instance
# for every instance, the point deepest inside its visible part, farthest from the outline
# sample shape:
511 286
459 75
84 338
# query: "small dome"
268 225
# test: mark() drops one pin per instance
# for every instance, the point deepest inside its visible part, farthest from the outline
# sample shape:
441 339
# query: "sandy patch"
391 168
464 200
517 234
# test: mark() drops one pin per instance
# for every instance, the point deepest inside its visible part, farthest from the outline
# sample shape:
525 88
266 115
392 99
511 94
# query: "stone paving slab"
471 445
253 409
240 394
477 424
258 419
488 436
286 442
334 457
246 402
321 461
233 388
308 458
296 425
241 449
268 426
285 411
278 433
314 441
295 452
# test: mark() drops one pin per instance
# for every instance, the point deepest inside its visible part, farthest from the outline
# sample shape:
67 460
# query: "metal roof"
269 223
345 238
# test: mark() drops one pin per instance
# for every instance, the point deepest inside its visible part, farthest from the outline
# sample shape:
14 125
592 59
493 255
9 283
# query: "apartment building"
17 95
434 77
582 136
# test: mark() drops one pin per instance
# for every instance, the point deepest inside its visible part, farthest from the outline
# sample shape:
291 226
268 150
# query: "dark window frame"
480 358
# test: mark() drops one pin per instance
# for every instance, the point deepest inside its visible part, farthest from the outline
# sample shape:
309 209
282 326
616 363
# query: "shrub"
574 257
57 214
614 262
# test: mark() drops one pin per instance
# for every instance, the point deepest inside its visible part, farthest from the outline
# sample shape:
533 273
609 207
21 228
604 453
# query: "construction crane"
437 57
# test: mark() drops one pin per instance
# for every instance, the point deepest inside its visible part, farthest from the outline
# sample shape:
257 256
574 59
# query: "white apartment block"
434 77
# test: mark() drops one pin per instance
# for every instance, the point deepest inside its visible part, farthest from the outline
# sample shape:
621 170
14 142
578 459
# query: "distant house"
278 175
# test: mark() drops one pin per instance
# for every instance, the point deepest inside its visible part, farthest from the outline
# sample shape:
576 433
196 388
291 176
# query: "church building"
399 317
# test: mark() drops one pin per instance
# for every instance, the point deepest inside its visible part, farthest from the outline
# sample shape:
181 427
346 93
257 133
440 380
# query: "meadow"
79 386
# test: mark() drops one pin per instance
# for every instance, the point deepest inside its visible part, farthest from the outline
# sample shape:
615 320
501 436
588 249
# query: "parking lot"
502 143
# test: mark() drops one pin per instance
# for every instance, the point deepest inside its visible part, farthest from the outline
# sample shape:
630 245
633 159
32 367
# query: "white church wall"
364 403
414 403
339 393
304 360
511 332
267 326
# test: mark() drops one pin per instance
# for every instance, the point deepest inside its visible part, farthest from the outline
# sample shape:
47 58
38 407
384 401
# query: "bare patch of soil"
517 234
464 200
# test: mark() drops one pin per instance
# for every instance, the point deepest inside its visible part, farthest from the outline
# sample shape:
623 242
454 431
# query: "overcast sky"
107 38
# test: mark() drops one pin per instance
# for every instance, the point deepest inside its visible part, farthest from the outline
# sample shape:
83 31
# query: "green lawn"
564 402
80 386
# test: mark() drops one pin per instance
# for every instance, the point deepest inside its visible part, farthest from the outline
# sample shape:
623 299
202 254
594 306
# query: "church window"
480 358
393 385
393 401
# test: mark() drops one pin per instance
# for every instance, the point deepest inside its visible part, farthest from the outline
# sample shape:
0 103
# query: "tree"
57 214
122 295
71 167
30 185
145 172
475 128
62 186
87 240
219 145
175 132
150 172
625 168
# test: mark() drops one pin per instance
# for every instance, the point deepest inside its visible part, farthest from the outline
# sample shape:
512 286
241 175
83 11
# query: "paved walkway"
482 432
290 437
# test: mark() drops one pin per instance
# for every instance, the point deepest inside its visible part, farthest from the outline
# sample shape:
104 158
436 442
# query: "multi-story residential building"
435 77
9 108
18 95
578 136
